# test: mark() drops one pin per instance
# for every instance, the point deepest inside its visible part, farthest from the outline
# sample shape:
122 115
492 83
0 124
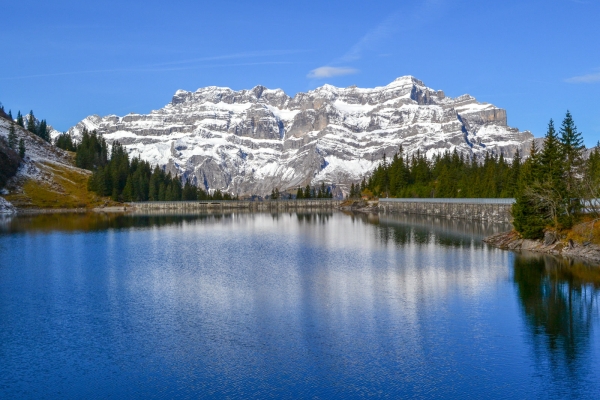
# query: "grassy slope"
62 187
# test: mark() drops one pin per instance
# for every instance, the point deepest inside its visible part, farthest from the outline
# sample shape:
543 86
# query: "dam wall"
492 210
242 205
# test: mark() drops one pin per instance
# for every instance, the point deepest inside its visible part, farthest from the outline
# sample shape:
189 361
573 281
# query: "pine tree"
299 193
65 141
527 219
21 148
20 120
550 156
572 149
127 194
571 139
31 123
42 131
12 136
551 193
515 172
307 192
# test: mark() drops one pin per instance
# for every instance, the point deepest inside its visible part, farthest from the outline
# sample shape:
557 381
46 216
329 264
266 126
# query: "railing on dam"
495 210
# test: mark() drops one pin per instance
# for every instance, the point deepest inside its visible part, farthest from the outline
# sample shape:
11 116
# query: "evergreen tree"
551 156
20 120
551 193
65 141
513 176
92 151
12 136
43 131
31 123
572 149
527 219
21 148
127 194
299 193
190 192
592 179
162 191
275 194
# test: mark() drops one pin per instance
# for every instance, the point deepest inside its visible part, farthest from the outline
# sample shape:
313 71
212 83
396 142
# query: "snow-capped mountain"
250 141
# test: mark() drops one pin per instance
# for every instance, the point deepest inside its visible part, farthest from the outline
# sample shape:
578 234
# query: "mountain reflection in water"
261 305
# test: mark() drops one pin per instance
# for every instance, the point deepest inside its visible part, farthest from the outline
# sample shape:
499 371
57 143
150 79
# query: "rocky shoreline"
550 245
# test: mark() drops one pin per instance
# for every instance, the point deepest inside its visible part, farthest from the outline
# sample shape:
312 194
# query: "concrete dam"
492 210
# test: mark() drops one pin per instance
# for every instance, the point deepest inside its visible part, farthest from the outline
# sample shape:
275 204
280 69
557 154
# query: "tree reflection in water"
559 298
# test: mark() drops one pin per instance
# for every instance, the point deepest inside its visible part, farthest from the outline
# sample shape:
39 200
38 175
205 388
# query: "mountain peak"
250 141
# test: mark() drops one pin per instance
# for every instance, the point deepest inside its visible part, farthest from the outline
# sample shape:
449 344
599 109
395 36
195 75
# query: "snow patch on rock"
250 141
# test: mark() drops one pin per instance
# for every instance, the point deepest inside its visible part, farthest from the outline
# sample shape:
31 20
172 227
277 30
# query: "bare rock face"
250 141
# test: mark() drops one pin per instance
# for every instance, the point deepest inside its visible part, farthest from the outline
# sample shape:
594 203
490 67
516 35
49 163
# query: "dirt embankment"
551 244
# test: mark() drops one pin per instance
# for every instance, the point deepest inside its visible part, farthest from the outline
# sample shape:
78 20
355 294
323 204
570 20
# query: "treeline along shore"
555 187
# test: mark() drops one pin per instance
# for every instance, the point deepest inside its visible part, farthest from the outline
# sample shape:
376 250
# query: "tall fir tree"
42 130
551 192
12 136
527 219
572 148
21 148
20 121
572 151
31 123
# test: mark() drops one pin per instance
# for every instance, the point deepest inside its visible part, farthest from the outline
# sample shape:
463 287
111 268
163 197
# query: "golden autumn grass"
587 230
64 188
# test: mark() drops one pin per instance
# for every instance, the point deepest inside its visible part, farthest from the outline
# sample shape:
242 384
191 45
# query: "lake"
295 305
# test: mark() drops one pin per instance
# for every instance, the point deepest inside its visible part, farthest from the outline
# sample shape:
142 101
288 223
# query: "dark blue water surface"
288 306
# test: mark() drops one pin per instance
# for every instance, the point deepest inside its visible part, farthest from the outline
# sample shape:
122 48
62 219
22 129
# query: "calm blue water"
287 306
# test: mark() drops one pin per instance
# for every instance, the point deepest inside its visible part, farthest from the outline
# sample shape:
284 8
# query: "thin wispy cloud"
382 31
588 78
328 72
247 54
143 69
178 65
394 23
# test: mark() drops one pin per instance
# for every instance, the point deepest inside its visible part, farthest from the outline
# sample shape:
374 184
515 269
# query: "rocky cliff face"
250 141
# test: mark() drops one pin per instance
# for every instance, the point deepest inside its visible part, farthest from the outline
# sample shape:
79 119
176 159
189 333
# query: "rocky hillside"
250 141
46 177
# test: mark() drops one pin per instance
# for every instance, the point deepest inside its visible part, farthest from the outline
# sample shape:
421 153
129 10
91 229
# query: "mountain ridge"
253 140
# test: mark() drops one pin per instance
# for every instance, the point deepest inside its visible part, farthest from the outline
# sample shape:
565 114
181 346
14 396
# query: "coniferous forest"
136 180
125 179
446 175
551 187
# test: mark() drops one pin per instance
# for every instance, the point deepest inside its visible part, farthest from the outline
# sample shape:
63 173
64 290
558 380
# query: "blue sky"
69 59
